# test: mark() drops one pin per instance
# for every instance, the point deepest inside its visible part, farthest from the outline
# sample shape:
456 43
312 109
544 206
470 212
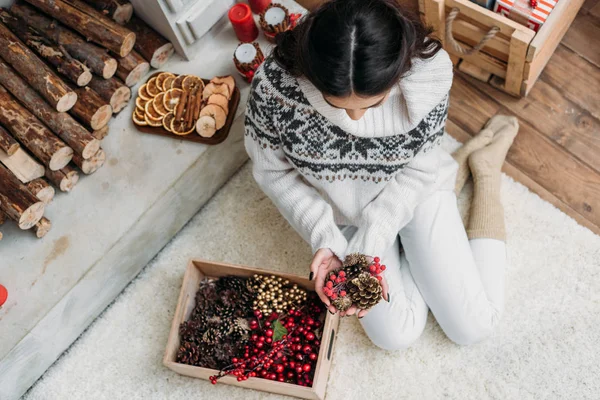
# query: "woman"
344 126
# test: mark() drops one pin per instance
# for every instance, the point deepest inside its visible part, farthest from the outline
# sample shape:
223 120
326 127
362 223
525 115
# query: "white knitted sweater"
322 169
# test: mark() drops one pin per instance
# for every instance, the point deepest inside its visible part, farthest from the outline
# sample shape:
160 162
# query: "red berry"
307 349
259 345
310 336
281 379
306 368
376 259
269 332
299 369
234 360
292 364
379 278
329 284
239 378
269 340
334 296
290 375
383 267
343 293
267 324
279 368
313 356
342 273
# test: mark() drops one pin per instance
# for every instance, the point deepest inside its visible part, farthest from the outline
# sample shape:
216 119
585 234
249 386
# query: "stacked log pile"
66 66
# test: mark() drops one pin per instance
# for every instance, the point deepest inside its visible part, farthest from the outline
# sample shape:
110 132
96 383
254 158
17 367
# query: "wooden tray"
217 138
198 270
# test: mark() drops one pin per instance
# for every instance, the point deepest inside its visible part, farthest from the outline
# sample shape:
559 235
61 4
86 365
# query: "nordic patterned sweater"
322 169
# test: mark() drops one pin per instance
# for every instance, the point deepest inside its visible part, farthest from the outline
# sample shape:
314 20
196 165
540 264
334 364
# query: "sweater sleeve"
383 218
301 205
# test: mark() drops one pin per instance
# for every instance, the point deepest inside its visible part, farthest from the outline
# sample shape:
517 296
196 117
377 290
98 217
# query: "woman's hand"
324 262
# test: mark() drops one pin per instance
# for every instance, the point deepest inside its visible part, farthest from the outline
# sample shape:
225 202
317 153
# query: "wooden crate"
198 270
516 54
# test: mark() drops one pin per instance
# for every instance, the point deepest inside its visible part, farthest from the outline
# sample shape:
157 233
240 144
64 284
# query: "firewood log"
35 72
32 134
64 179
7 143
41 189
150 44
132 68
2 218
90 166
119 10
92 24
95 57
91 110
22 165
42 228
62 124
69 67
17 202
101 133
112 90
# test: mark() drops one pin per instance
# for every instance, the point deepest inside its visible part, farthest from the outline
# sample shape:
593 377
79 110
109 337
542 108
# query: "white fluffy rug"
547 346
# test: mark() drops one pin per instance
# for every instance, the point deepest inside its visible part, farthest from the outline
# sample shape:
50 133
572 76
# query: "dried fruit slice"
161 78
158 104
213 88
153 121
217 113
226 80
168 120
151 87
177 83
168 83
139 113
206 126
143 93
140 103
219 100
137 120
180 128
151 112
190 81
172 98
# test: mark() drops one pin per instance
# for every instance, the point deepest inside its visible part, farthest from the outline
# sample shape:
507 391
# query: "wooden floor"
557 151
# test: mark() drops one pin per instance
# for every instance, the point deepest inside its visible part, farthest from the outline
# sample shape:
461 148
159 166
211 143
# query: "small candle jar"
247 58
243 23
258 6
276 19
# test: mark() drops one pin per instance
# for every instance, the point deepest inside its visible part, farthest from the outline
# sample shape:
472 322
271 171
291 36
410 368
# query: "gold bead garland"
276 294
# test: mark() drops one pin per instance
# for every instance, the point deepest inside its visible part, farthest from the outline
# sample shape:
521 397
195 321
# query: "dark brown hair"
355 46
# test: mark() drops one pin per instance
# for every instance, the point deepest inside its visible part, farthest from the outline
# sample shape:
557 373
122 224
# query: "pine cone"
342 303
365 291
356 259
211 336
189 353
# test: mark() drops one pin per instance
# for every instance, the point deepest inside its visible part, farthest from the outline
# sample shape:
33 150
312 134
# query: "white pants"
460 280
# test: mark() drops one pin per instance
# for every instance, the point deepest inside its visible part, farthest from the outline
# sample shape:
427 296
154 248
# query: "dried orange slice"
158 104
137 120
153 121
151 87
168 83
177 83
139 113
140 103
190 81
143 93
161 78
180 128
171 98
151 112
167 120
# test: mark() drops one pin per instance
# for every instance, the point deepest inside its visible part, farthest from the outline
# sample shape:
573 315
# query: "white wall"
6 3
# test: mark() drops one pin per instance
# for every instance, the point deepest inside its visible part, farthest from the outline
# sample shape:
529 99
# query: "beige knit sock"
461 155
487 213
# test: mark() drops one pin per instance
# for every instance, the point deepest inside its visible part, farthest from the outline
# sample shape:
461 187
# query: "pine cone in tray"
365 290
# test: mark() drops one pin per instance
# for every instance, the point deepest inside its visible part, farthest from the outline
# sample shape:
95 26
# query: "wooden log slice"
92 24
101 133
90 166
22 165
91 110
64 179
42 190
42 228
95 57
120 11
62 124
150 44
112 90
132 68
32 134
7 143
35 72
69 67
2 218
17 202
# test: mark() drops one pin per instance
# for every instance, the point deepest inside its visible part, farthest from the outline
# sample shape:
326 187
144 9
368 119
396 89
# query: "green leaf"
278 331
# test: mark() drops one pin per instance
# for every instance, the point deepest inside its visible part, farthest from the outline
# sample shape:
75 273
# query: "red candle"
243 23
259 6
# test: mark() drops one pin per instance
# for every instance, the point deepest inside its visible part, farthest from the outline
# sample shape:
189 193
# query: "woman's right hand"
324 262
